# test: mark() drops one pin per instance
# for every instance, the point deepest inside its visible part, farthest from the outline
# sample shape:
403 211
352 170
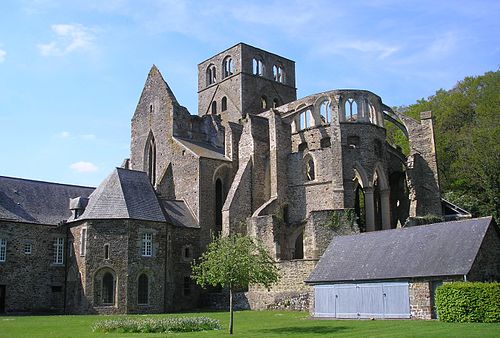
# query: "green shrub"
155 325
468 302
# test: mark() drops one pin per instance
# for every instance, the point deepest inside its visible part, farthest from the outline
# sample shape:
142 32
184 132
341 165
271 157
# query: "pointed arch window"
351 110
152 161
143 289
211 74
214 107
223 104
108 289
325 110
310 170
298 252
257 67
305 119
228 67
278 74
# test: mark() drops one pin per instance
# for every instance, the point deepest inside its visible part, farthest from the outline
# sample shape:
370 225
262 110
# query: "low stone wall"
420 300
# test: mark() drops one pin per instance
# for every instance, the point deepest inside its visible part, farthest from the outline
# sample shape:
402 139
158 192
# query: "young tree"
234 262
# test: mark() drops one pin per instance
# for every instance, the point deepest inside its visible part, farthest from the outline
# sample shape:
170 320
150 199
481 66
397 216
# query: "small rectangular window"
27 248
58 250
147 245
3 249
106 251
83 241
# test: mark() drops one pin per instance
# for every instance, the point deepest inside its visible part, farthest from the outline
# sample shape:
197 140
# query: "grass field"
253 324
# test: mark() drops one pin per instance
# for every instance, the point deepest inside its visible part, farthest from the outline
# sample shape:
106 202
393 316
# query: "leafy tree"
467 132
235 262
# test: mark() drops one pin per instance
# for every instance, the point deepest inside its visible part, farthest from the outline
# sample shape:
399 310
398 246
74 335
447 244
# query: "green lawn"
254 324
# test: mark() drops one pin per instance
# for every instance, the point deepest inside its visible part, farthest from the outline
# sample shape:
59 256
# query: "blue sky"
71 72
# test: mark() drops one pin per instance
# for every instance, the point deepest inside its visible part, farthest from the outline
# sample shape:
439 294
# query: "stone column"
369 210
386 209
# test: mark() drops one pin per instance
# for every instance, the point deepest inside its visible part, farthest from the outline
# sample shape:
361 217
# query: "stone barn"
394 273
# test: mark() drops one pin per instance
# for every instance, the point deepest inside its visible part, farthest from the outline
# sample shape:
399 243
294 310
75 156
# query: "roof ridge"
46 182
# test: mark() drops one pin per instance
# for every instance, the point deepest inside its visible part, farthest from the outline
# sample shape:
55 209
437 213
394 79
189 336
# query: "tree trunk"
230 310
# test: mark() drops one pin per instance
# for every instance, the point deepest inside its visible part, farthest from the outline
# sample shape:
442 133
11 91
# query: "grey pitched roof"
179 213
441 249
201 149
124 194
38 202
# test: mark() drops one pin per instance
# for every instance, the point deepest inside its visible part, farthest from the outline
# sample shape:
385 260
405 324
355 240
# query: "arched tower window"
143 289
214 107
223 104
228 67
359 206
108 289
257 67
211 75
278 74
351 110
152 161
310 171
263 102
305 119
326 112
298 253
219 202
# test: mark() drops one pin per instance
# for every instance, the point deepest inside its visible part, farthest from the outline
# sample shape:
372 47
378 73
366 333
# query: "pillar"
369 210
386 209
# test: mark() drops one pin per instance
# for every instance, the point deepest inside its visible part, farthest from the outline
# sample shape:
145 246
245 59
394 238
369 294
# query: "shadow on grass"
304 330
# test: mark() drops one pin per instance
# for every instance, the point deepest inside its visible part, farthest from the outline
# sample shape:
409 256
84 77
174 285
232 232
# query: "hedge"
152 325
468 302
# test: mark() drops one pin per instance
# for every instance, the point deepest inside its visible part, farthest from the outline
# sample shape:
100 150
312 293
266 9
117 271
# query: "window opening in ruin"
143 290
219 202
305 120
276 103
263 102
351 110
359 207
325 142
108 289
310 174
152 161
214 108
326 112
303 146
377 201
58 250
83 241
223 104
228 67
257 67
211 77
27 248
187 252
353 141
150 108
187 286
147 245
3 249
298 252
106 251
278 74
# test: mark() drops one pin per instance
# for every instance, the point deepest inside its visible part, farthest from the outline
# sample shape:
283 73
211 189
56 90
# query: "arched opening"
326 112
211 75
276 103
359 206
351 110
151 161
108 289
214 108
219 202
310 169
305 119
298 252
143 289
257 67
377 203
223 104
263 102
228 67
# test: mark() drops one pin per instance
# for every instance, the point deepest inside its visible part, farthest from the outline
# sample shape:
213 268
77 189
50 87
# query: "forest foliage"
467 132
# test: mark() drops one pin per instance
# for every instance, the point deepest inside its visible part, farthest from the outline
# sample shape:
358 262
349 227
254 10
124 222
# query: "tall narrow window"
3 249
147 245
143 290
276 103
108 289
326 112
219 202
228 67
58 250
214 107
359 207
310 172
106 251
305 120
257 67
351 110
83 241
152 161
263 102
223 104
278 74
211 75
298 253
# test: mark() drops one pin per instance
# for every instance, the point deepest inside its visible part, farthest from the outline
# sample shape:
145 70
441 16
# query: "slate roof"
179 213
125 194
39 202
201 149
441 249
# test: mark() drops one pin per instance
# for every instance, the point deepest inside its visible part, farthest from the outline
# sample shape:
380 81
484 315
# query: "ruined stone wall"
33 282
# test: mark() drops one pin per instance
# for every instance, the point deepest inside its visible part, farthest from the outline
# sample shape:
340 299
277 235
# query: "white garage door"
363 300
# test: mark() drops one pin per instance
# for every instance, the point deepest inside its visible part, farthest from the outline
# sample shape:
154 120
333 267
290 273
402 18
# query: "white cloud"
69 38
63 135
380 49
84 167
3 54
